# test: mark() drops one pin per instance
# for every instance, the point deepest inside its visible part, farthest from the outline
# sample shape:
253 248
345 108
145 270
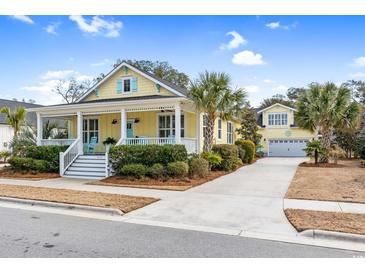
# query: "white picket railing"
67 157
107 164
56 142
190 144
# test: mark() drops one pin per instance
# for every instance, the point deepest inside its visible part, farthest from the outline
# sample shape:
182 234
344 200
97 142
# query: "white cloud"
252 88
357 75
273 25
278 25
237 40
248 58
42 92
23 18
359 62
97 26
269 81
280 89
51 28
102 63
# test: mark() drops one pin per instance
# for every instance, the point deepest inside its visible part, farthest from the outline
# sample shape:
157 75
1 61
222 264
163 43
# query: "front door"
130 133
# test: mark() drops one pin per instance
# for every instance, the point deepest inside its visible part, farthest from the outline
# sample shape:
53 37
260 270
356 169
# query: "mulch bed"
10 174
329 221
170 184
125 203
342 184
327 165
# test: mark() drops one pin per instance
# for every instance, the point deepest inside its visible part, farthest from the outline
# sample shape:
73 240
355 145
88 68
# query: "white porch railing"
56 142
67 157
190 143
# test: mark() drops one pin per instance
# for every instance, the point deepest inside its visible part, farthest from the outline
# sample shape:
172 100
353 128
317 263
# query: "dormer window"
278 119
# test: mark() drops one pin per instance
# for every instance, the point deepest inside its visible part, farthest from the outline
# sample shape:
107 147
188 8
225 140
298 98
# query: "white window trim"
230 134
219 129
88 128
130 78
281 113
182 126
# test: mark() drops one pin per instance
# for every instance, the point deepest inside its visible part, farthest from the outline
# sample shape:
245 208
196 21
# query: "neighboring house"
6 131
135 108
281 137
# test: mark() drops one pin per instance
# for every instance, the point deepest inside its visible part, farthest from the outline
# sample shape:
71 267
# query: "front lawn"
125 203
345 183
178 184
322 220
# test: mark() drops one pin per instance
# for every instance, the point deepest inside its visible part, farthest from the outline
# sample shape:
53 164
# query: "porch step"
88 167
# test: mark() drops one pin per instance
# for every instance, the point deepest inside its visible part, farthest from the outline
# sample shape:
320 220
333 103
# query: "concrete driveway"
250 200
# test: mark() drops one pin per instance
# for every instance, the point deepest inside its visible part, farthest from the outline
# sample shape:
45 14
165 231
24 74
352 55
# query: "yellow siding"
108 89
282 132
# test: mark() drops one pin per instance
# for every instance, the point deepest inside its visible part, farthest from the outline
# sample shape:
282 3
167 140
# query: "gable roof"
180 91
30 117
274 105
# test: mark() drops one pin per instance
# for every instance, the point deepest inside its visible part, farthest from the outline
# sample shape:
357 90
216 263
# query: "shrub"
229 154
24 164
249 148
134 170
177 169
5 155
157 171
50 154
214 159
199 167
147 155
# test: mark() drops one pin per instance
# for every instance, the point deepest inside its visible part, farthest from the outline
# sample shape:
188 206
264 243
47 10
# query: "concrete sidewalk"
325 206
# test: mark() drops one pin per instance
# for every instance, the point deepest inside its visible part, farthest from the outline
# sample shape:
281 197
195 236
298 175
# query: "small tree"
314 149
249 128
277 98
14 118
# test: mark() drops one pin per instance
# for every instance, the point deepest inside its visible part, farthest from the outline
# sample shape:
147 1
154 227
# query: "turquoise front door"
130 133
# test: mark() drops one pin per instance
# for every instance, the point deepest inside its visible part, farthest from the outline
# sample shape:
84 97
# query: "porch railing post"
62 163
177 124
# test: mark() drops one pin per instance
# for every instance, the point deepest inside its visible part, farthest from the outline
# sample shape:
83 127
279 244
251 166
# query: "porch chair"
91 146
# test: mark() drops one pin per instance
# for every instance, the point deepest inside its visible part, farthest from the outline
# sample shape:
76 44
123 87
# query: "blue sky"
264 54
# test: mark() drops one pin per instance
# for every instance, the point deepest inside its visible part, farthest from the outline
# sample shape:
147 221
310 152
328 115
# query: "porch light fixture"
136 120
114 122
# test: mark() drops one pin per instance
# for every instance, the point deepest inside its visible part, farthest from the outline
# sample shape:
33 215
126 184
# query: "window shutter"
119 86
97 93
134 84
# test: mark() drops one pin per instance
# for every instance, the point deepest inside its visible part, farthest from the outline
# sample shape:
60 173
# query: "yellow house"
281 137
134 108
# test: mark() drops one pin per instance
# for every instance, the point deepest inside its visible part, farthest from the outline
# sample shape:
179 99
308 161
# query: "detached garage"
287 147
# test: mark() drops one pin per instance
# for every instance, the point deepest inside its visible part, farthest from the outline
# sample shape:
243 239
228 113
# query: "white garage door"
287 147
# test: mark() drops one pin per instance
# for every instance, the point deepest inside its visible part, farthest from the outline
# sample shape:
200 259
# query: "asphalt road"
33 234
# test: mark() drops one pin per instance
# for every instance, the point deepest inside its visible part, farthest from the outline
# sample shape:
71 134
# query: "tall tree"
249 128
161 69
277 98
294 93
326 108
214 96
71 89
14 118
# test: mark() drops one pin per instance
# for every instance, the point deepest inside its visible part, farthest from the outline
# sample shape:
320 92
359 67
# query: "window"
90 129
219 129
229 133
166 125
127 85
278 119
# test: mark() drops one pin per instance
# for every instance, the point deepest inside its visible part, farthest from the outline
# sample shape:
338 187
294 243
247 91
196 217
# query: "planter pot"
107 147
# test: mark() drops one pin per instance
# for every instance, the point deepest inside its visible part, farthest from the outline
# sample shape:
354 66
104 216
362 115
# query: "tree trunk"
326 138
208 138
316 157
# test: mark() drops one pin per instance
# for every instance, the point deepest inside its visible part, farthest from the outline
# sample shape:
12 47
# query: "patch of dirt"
125 203
326 165
10 174
344 184
168 184
323 220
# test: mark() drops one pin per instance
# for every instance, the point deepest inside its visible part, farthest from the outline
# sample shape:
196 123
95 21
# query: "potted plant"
110 141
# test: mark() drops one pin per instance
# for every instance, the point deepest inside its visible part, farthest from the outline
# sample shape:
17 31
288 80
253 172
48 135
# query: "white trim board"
276 104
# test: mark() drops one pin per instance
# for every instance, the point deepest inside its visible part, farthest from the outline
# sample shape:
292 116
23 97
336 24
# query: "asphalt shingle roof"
30 117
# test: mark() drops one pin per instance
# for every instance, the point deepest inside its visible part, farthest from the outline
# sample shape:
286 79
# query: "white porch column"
198 131
177 124
79 132
39 129
123 125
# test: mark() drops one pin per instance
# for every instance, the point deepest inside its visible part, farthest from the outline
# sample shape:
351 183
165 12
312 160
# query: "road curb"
65 206
333 235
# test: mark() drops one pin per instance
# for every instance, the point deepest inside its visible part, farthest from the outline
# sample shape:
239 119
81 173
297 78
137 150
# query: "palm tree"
14 118
213 95
314 149
48 129
326 108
